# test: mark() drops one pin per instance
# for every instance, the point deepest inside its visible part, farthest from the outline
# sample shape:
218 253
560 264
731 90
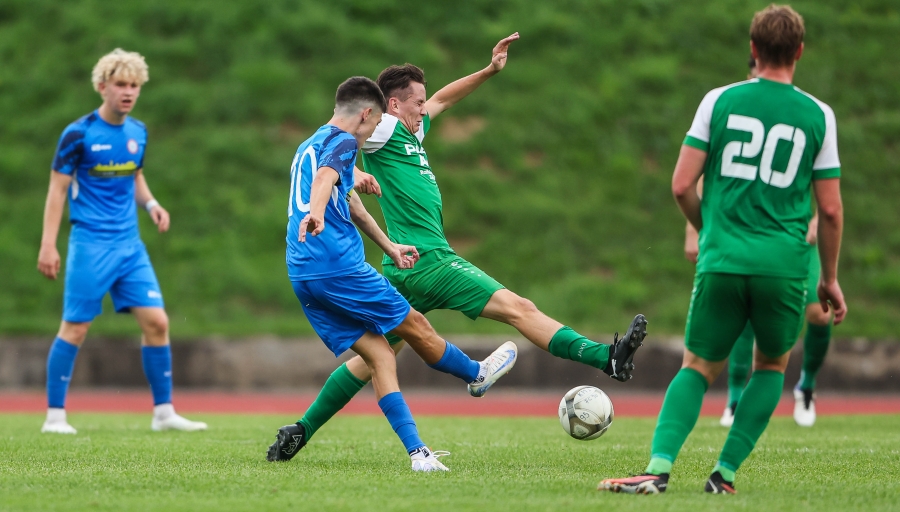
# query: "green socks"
815 346
340 387
679 414
751 418
570 345
739 363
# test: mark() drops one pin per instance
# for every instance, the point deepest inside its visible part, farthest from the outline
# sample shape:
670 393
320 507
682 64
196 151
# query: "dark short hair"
359 90
777 32
397 78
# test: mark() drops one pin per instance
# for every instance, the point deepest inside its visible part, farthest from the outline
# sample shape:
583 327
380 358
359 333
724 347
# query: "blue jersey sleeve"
339 153
69 151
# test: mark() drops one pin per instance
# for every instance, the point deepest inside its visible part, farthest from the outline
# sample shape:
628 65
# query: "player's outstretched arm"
319 193
145 200
404 256
48 257
684 183
831 227
455 91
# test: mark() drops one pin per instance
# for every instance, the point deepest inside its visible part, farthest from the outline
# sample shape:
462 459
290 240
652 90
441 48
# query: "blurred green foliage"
563 195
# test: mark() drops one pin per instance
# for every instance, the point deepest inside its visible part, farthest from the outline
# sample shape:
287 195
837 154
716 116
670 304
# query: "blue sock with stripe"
157 363
60 363
399 416
457 363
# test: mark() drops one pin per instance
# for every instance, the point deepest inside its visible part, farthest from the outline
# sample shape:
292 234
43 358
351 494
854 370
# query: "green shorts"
812 280
443 280
721 305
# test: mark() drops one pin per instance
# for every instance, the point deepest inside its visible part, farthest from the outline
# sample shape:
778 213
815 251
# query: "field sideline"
356 463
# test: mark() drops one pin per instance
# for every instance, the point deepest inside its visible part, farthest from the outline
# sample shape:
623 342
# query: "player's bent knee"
73 332
816 316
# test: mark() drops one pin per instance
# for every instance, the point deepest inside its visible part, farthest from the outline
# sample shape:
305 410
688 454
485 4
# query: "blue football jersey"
102 159
338 250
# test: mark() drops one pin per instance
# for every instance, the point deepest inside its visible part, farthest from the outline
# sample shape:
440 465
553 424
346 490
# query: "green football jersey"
765 142
410 197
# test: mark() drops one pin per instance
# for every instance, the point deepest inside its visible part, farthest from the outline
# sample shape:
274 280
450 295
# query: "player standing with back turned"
100 165
759 146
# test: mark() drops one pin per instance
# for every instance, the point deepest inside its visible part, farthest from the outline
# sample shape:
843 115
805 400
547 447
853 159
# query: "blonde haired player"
99 166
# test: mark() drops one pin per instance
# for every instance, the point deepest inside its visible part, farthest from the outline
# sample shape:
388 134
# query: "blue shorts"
343 308
122 270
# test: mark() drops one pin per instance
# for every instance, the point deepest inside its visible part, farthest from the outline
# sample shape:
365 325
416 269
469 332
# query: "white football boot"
727 419
56 423
498 364
425 460
804 407
165 418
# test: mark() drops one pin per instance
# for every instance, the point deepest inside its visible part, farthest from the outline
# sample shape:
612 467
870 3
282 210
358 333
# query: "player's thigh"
91 271
398 278
365 297
453 283
717 315
136 285
777 312
337 330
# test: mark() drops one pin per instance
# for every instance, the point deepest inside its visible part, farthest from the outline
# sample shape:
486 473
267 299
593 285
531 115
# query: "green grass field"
356 463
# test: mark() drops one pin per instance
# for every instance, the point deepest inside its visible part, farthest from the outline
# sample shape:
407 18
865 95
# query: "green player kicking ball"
412 206
815 342
759 146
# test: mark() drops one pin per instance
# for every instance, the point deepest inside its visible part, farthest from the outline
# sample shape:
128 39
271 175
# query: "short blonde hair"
120 64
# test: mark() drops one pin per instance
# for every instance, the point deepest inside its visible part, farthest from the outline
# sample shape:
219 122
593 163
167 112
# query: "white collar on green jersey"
385 130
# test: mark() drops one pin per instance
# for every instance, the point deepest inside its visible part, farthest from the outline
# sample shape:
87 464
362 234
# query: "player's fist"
498 59
160 217
310 224
48 261
404 256
830 294
365 183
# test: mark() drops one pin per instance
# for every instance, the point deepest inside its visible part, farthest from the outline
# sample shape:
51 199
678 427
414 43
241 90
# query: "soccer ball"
585 413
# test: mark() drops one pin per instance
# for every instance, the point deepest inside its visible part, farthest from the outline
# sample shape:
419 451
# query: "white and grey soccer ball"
585 413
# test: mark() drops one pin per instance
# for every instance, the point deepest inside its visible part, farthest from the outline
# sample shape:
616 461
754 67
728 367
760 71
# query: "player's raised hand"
404 256
498 60
160 217
48 261
310 224
365 183
831 295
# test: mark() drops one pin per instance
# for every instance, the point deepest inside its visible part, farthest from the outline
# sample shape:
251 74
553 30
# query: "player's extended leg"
60 364
156 355
717 315
345 382
739 363
562 341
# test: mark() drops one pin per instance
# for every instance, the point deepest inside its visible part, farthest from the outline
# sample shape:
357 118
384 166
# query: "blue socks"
398 415
457 363
60 363
157 363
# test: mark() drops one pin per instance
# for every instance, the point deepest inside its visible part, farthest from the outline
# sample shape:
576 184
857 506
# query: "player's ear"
366 113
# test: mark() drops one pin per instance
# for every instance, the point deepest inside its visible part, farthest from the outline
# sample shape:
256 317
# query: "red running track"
497 403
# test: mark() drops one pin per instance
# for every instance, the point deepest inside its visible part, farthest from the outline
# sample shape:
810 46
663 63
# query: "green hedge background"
555 173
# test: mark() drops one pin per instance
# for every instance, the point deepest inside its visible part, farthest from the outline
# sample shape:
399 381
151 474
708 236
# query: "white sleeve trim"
828 153
382 134
702 119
